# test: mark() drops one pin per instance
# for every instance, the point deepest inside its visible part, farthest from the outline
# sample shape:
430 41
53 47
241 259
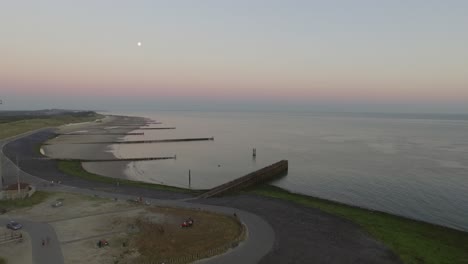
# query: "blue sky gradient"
333 53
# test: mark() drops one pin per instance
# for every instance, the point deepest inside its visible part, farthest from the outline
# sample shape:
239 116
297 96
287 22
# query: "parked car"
187 223
14 225
57 204
102 243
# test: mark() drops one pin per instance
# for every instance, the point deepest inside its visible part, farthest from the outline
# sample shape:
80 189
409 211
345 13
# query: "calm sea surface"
407 165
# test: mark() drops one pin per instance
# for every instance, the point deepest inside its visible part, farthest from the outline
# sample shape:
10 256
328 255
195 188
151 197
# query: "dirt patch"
73 205
144 234
163 241
87 251
92 226
136 233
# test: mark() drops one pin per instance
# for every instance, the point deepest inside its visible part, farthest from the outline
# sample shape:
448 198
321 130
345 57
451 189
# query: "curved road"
258 243
50 253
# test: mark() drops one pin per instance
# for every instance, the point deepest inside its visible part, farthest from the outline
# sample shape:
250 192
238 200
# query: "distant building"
10 192
14 187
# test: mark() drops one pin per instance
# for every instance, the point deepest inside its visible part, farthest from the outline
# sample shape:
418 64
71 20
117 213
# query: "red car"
102 243
187 223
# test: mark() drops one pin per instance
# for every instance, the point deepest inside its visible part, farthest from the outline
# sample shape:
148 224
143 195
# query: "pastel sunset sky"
298 52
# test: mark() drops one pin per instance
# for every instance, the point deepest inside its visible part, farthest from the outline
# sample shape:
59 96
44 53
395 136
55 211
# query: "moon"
139 44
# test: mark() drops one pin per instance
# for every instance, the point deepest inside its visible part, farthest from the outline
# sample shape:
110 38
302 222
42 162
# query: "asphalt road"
39 232
308 235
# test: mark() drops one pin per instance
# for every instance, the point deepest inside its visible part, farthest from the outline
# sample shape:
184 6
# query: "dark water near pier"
411 165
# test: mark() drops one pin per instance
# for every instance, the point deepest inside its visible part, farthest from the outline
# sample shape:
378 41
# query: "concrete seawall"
102 134
154 128
265 174
135 124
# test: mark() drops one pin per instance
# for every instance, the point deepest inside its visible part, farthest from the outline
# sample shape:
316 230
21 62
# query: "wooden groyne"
150 128
143 141
265 174
136 124
140 127
115 159
102 134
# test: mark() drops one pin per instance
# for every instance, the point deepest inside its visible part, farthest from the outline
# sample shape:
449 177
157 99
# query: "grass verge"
10 129
413 241
37 198
74 168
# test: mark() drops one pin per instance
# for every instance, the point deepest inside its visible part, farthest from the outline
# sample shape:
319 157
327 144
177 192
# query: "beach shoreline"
68 147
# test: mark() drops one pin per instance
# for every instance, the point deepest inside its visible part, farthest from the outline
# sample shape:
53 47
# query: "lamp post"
189 179
17 174
1 175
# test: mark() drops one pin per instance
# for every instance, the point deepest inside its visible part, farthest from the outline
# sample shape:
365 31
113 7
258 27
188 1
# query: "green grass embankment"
37 198
413 241
74 168
9 129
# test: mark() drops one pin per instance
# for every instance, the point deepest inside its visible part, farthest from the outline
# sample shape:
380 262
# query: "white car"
57 204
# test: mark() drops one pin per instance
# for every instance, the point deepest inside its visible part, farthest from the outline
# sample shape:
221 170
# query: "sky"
335 55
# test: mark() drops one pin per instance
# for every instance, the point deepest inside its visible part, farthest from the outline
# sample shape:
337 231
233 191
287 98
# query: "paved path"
39 232
259 241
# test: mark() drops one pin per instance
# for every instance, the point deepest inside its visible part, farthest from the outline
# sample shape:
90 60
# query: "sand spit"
68 147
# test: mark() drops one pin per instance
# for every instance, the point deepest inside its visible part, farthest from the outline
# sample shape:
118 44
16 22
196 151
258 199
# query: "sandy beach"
69 147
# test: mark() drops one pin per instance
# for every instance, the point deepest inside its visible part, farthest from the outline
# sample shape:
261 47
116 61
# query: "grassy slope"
413 241
37 198
18 127
74 168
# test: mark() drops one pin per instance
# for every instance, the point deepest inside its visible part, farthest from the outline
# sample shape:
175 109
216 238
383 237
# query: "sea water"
410 165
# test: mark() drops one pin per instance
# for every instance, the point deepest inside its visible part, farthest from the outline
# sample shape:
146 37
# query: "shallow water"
412 167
